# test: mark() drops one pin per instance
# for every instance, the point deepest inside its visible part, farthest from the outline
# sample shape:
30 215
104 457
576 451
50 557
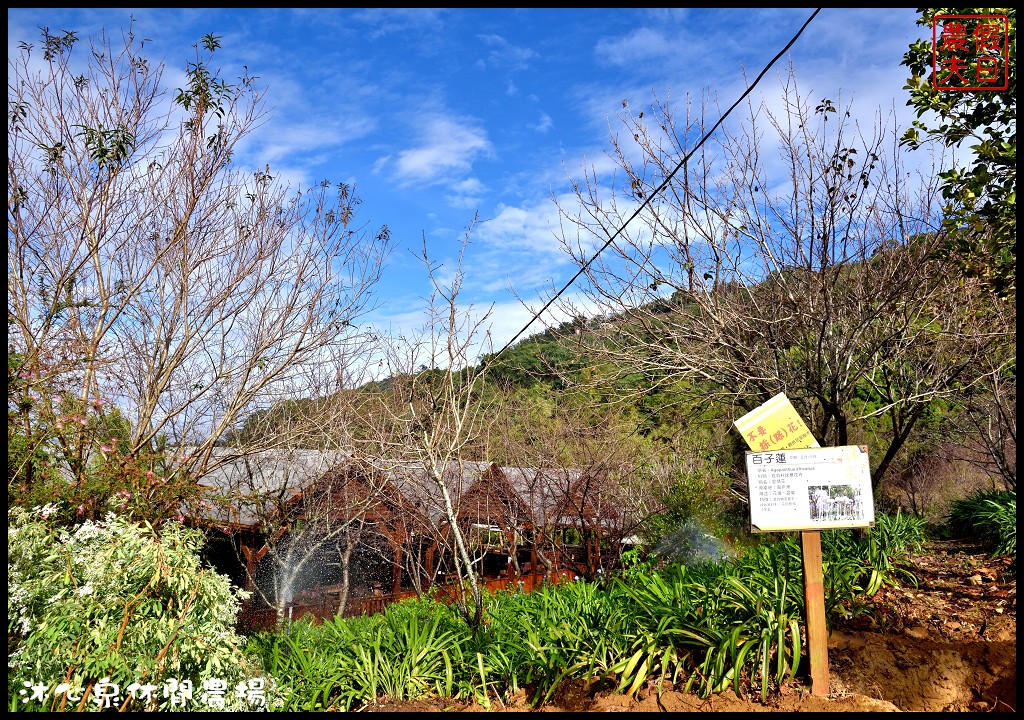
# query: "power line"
651 195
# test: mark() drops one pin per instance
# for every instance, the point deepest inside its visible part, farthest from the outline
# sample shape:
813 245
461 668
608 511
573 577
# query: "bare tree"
431 412
986 422
151 271
792 252
921 482
577 467
996 419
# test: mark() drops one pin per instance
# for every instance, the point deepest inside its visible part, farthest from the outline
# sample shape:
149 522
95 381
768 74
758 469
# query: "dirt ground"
949 644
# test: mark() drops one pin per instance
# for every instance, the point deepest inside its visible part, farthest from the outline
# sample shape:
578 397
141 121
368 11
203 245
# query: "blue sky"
440 115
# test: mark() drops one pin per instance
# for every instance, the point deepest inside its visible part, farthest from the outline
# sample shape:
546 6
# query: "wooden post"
250 565
252 559
533 551
814 601
777 419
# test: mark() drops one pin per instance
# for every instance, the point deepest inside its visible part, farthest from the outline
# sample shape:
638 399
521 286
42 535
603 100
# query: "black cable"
651 195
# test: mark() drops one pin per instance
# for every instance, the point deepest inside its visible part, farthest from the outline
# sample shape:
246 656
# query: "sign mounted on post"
775 425
789 485
813 489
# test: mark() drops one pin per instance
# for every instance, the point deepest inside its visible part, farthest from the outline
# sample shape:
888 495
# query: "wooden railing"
252 619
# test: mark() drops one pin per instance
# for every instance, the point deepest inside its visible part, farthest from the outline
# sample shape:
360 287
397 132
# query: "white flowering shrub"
115 612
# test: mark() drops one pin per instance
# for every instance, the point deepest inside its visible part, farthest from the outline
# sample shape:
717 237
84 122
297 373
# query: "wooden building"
329 534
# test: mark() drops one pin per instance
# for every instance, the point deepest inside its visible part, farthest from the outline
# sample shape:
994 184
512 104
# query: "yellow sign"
775 425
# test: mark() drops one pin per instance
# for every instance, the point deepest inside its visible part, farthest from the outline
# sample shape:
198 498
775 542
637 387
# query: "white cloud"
286 142
505 321
668 15
504 55
525 229
543 124
396 20
512 317
466 194
446 147
640 46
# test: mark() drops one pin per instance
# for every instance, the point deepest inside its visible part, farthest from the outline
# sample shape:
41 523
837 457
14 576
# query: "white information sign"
812 489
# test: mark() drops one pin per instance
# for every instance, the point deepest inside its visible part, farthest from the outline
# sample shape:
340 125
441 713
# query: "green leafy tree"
981 194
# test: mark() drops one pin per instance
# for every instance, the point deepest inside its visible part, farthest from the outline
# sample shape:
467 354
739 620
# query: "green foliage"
981 217
205 91
857 565
699 497
54 45
713 626
572 631
990 516
114 601
546 357
76 456
341 664
29 455
83 465
108 148
708 622
283 418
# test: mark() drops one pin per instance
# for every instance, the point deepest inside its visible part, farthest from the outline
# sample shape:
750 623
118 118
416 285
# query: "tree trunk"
346 567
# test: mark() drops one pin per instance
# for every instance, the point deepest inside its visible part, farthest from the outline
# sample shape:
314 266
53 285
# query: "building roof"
242 491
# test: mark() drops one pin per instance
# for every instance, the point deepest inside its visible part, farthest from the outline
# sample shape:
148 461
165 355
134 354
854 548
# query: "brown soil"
949 644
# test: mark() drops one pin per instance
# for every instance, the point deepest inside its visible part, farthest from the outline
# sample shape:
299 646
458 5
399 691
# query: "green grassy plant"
711 627
990 516
341 664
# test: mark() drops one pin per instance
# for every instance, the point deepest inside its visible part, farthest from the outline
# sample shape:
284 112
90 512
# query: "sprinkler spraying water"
690 544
